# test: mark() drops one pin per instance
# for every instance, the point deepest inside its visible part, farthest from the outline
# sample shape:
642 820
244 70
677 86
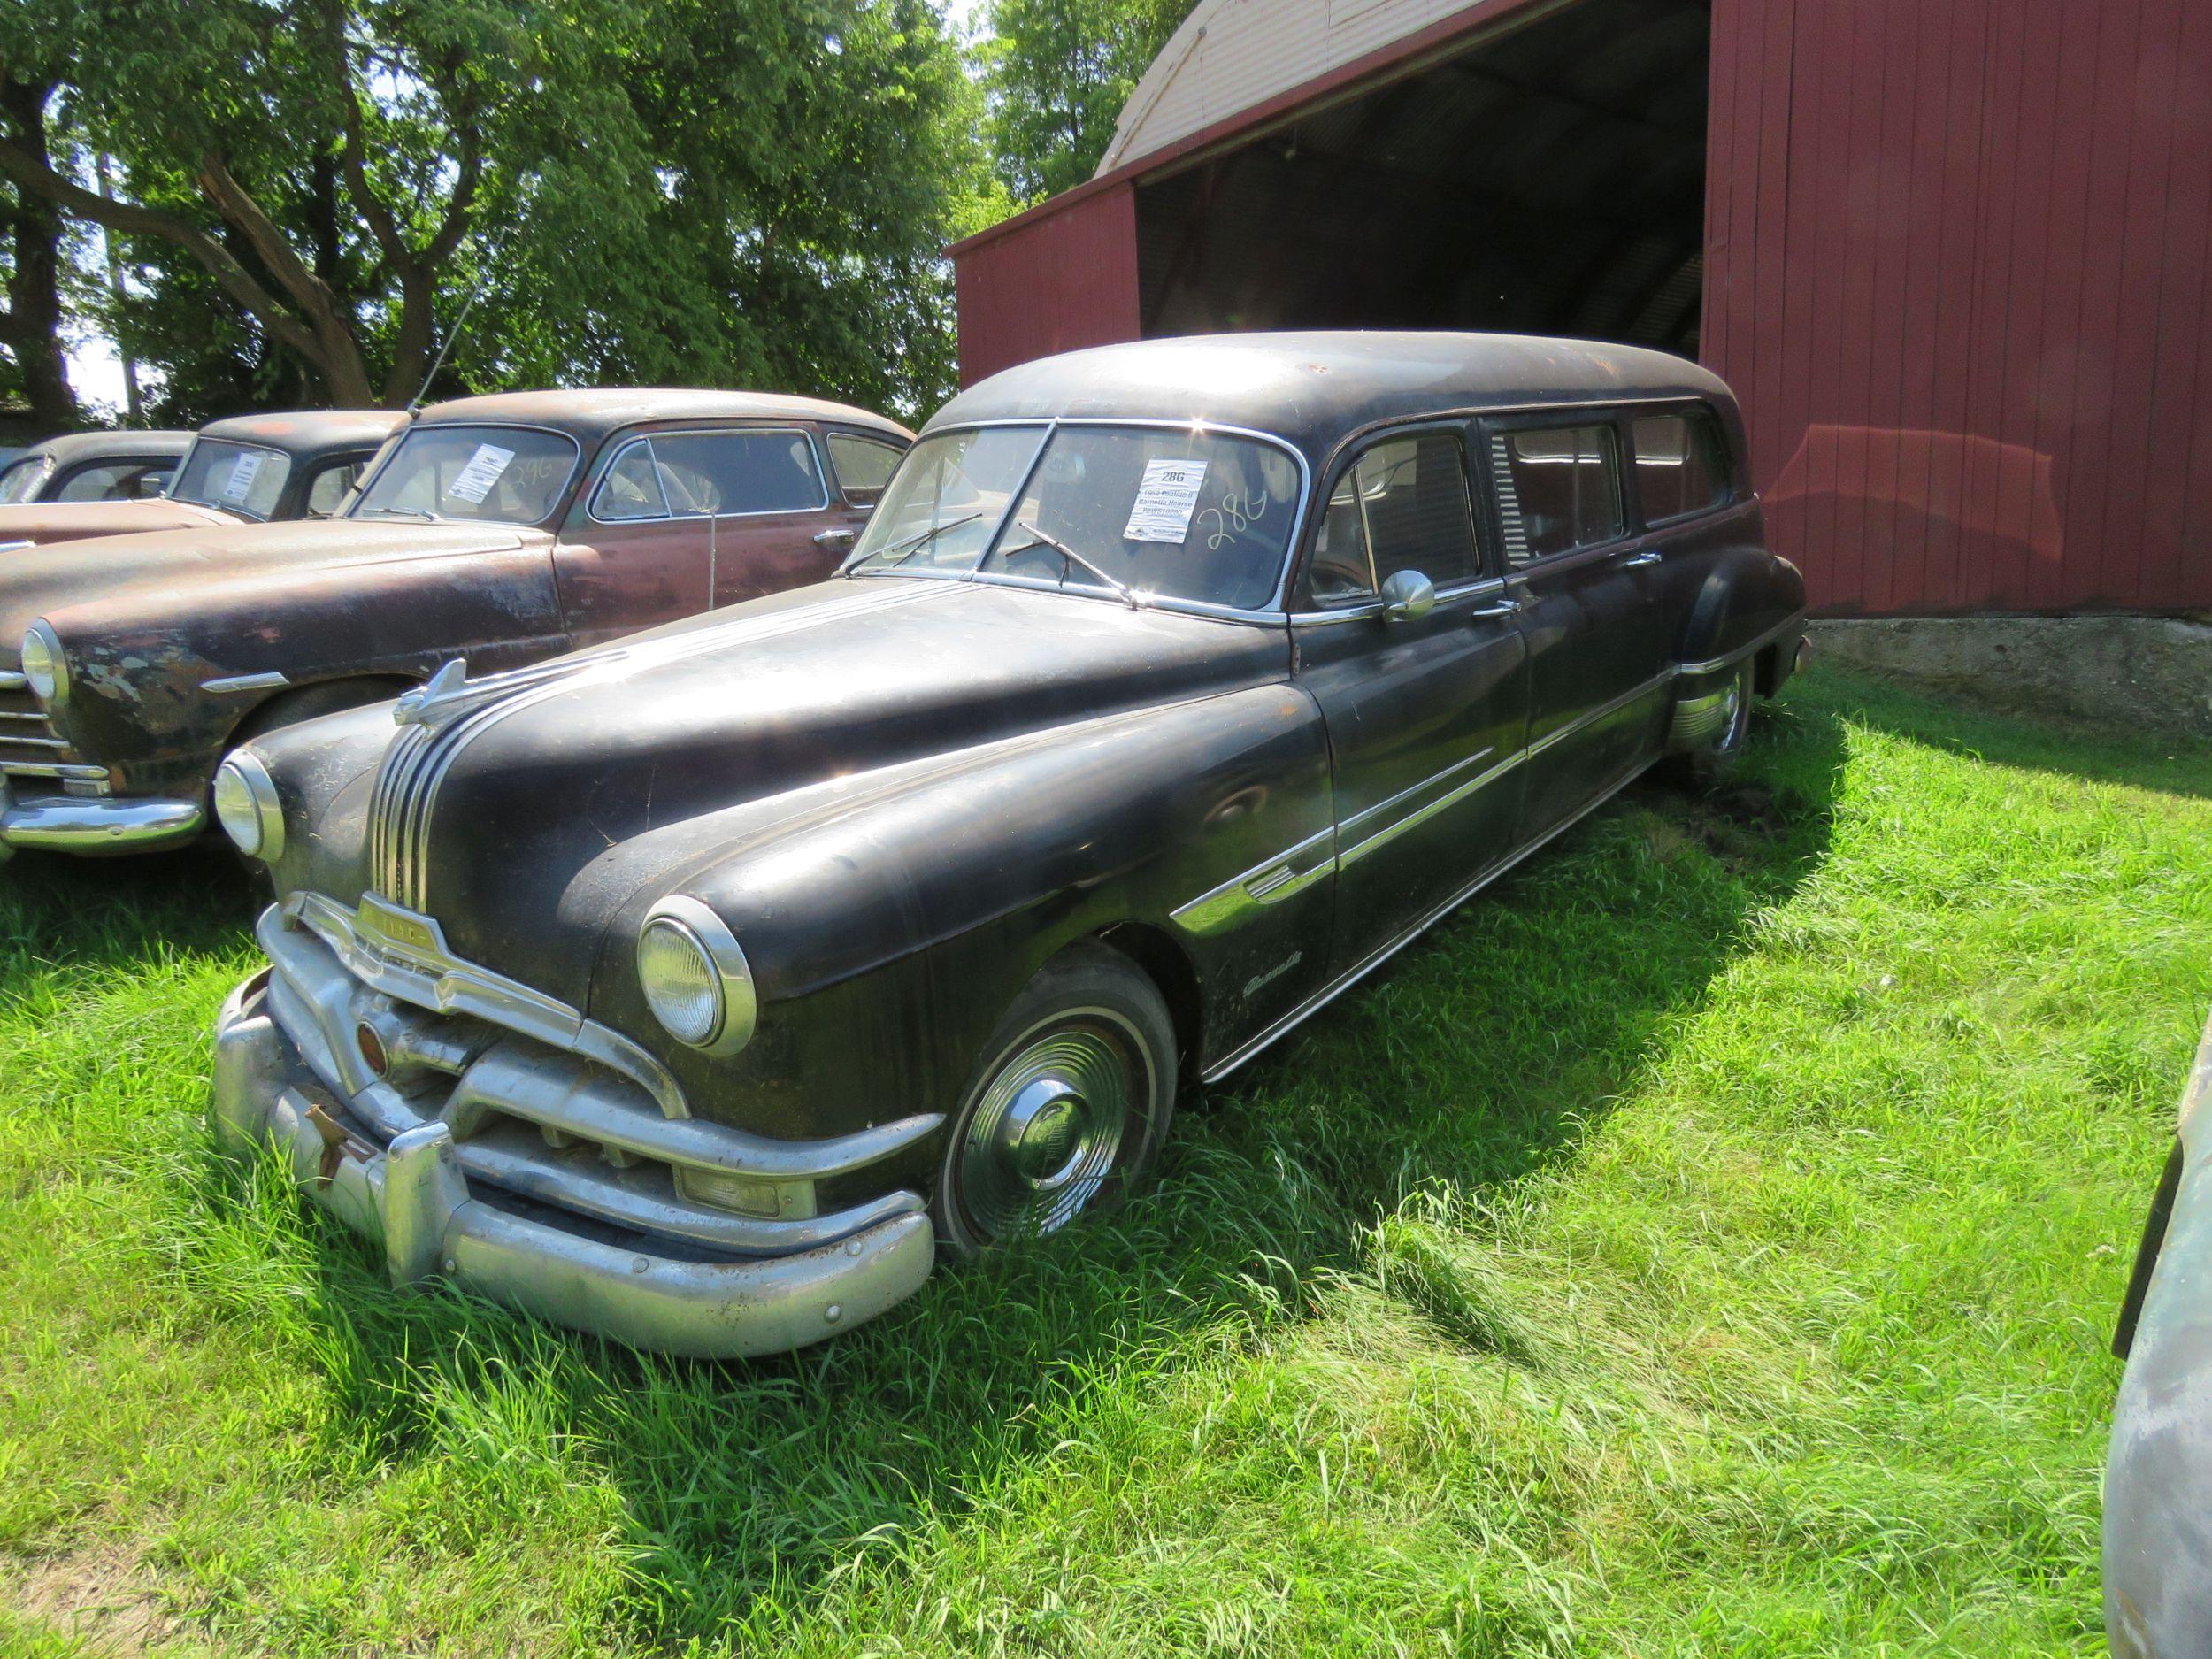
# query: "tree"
1058 72
638 190
30 328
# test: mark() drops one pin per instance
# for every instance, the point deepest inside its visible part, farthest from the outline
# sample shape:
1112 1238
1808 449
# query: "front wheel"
1067 1111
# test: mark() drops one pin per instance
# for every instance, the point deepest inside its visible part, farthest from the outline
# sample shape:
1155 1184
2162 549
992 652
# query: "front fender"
140 662
885 941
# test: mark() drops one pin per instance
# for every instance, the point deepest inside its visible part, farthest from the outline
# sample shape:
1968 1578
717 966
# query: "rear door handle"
1637 561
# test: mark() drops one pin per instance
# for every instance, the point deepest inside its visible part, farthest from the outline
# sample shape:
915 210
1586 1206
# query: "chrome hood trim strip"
450 712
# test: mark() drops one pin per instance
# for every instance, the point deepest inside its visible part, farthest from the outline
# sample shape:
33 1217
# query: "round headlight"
45 667
247 806
695 979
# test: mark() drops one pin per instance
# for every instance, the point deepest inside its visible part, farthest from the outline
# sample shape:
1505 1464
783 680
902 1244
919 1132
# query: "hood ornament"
420 706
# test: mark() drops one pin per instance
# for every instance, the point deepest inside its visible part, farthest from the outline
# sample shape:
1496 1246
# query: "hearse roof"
1313 388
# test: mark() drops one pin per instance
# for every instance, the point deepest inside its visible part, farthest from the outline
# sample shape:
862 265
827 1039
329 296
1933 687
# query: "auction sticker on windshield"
1166 498
243 472
474 481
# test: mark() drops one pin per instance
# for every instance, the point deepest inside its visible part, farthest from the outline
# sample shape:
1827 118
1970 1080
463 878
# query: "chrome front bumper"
96 824
547 1196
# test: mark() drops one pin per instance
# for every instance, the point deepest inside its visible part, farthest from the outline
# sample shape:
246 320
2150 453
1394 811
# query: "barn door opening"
1549 179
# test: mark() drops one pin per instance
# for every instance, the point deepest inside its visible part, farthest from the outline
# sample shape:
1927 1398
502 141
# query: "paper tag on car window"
243 471
474 481
1166 500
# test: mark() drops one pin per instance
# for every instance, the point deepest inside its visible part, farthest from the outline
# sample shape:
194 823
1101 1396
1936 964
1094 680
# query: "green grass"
1706 1244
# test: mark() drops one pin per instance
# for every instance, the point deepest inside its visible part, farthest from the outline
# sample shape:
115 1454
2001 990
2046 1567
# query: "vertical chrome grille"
29 746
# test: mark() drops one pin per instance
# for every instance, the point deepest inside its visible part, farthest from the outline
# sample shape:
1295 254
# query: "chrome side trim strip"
1269 882
1713 665
1421 814
1344 982
223 685
1220 909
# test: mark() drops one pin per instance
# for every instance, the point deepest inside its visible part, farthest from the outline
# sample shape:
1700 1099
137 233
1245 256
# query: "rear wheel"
1068 1110
1713 758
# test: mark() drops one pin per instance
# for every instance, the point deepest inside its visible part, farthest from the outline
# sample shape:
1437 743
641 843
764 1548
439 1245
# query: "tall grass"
1705 1244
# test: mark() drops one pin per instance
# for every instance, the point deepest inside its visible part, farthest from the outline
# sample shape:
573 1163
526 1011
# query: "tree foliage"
707 191
1058 72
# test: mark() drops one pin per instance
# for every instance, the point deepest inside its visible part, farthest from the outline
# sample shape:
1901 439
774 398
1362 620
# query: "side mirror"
1407 596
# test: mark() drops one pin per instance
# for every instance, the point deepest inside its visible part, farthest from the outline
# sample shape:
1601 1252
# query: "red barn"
1950 253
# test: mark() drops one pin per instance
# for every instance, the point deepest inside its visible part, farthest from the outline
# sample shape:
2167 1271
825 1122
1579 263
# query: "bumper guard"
414 1197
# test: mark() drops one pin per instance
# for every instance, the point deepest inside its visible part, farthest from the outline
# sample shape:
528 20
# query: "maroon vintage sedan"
498 530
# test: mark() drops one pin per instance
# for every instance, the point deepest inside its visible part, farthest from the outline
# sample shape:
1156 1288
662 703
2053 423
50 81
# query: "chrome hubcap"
1730 704
1045 1133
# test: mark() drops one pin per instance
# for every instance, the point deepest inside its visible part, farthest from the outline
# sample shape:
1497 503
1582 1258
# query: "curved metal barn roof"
1230 55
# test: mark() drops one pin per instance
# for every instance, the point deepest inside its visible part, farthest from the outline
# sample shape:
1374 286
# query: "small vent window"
1558 490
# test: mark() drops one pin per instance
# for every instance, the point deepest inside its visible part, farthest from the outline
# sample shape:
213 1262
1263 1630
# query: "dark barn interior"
1549 181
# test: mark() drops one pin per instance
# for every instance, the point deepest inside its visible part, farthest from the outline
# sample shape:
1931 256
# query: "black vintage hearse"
700 989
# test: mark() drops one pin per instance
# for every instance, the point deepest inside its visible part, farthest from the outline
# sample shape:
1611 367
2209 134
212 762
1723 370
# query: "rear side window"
1680 468
703 474
117 481
1403 505
327 490
1558 490
863 467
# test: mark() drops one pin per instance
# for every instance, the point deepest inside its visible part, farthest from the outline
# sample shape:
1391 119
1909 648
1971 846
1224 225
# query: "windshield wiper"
398 513
913 544
1071 557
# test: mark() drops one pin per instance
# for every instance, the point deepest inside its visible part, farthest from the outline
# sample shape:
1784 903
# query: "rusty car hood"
532 783
42 581
48 522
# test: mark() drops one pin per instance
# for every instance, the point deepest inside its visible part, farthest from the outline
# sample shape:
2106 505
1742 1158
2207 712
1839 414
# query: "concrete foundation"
2133 671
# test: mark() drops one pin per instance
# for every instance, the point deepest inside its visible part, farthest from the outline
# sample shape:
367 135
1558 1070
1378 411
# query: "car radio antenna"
446 345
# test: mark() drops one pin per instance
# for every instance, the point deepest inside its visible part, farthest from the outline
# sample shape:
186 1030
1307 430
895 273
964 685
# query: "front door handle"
1496 608
1637 561
834 540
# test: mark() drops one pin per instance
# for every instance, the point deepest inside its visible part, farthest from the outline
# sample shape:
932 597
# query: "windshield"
20 480
240 478
1153 511
509 474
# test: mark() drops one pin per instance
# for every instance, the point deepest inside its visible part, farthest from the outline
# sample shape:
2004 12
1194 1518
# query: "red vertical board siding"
1965 304
1057 283
2175 556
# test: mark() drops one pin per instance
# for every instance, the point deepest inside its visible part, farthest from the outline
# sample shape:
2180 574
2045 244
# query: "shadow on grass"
111 912
2173 764
1479 1055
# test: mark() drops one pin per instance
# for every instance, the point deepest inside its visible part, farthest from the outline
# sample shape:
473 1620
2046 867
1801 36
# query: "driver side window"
1402 505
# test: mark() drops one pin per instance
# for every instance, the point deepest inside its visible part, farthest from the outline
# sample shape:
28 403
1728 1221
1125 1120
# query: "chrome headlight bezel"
677 928
248 807
45 664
